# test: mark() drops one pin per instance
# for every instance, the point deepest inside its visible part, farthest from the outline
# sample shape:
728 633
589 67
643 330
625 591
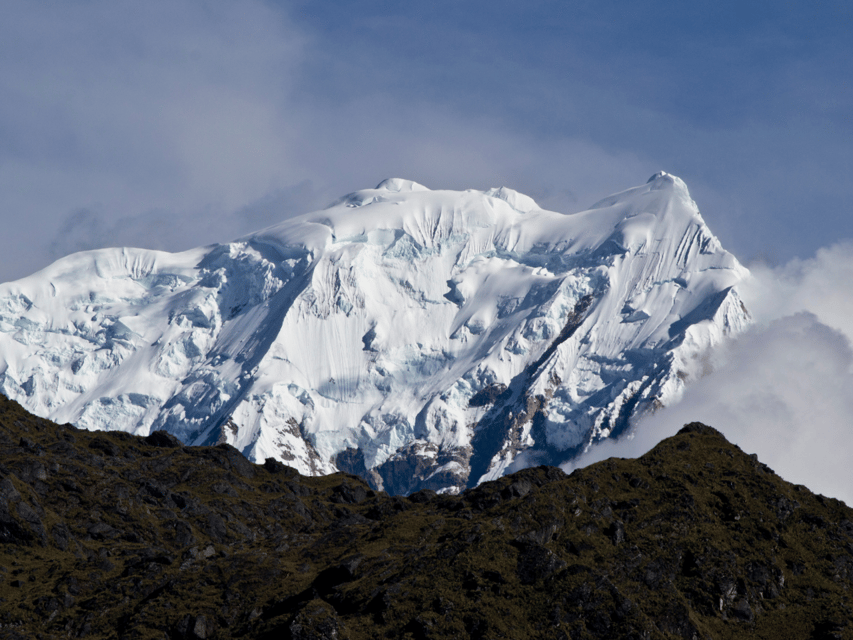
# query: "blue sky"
172 124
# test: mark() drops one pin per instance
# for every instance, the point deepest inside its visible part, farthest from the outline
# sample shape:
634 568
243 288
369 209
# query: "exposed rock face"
115 536
447 337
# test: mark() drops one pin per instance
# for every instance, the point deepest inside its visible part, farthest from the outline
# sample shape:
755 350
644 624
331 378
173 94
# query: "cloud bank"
783 389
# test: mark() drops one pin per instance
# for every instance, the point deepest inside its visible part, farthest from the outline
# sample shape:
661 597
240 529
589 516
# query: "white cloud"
822 285
784 389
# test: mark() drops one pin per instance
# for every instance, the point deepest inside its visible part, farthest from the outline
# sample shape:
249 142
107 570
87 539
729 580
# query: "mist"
784 388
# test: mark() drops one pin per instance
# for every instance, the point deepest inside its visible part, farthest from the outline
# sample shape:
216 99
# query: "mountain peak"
663 181
421 339
664 177
400 185
518 201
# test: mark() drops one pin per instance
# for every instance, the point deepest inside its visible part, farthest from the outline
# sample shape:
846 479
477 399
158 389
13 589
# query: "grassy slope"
106 535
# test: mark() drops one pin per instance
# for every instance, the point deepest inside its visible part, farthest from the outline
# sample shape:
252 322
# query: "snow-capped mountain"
420 338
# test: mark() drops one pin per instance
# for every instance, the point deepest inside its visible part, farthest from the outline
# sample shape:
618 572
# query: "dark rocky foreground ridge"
107 535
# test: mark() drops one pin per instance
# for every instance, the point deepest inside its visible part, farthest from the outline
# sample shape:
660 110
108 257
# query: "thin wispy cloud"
175 124
192 113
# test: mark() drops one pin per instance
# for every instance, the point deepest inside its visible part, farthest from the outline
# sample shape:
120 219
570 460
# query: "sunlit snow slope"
420 338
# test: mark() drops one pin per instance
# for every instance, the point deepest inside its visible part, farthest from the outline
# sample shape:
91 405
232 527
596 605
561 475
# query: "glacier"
419 338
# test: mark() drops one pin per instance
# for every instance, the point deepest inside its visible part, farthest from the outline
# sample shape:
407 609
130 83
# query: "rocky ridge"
109 535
